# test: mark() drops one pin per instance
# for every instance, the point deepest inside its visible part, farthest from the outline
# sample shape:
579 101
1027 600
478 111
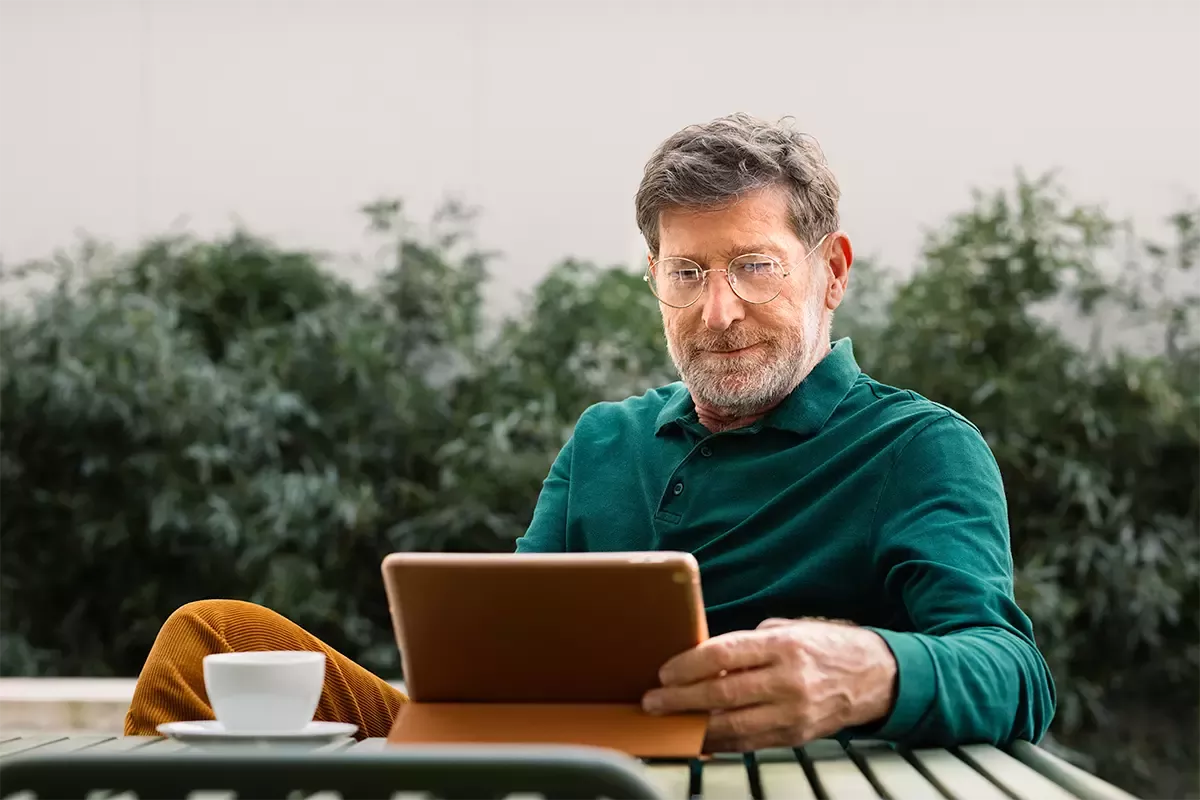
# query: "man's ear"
839 261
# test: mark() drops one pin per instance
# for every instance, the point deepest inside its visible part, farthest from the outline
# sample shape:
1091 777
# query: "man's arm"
971 672
547 532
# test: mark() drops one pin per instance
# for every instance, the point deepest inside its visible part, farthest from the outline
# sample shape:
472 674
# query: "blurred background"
289 285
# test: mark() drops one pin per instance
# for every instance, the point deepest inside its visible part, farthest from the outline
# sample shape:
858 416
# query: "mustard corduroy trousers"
170 687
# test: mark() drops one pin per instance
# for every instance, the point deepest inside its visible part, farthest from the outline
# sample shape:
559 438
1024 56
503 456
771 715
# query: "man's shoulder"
931 449
908 413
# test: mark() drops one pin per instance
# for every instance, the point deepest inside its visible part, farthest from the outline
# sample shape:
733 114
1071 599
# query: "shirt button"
678 487
705 451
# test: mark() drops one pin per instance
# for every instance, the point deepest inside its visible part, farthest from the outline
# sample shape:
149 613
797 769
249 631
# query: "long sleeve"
970 671
547 532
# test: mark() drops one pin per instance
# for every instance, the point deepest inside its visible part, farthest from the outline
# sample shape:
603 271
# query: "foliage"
1098 446
228 418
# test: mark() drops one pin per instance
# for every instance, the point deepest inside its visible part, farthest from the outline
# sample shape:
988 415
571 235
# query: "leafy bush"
1099 448
227 418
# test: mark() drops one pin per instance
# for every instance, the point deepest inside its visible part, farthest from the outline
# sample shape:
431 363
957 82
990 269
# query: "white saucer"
213 732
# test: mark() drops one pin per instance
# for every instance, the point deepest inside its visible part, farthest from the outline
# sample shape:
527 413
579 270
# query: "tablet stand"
615 726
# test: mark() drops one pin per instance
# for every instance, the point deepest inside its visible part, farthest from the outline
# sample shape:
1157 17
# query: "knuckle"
740 726
785 687
781 638
802 682
727 649
724 692
795 655
803 723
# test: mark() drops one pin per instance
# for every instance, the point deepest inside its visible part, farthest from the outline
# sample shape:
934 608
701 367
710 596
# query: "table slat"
164 745
958 779
25 743
894 775
1067 775
121 744
839 777
782 780
673 781
71 744
1016 778
726 779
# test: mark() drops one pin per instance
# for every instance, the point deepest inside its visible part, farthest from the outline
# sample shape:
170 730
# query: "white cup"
268 691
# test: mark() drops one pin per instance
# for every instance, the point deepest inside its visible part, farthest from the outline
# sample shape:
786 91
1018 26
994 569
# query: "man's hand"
784 684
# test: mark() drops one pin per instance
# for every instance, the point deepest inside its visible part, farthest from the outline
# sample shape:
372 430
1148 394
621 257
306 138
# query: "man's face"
741 357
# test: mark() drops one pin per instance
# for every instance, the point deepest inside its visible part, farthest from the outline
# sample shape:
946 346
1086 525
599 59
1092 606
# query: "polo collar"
805 411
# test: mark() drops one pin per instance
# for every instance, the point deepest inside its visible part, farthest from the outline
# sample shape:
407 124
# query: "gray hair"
711 165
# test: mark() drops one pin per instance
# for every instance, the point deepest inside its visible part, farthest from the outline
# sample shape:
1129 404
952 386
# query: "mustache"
729 340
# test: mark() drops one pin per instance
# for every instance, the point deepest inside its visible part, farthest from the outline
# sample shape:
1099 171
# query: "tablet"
541 628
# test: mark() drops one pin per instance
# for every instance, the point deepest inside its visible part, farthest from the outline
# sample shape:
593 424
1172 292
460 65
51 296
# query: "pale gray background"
121 117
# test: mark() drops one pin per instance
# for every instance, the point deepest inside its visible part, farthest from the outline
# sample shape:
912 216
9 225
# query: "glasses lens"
676 281
755 278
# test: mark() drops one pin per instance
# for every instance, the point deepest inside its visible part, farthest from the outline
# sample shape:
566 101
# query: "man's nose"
722 307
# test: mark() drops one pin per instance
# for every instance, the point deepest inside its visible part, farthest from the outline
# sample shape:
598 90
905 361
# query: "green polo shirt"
851 500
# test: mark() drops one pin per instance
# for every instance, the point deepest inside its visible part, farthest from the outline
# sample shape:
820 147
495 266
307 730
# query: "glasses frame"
704 275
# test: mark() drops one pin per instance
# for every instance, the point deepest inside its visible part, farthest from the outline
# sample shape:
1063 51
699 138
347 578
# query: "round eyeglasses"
754 277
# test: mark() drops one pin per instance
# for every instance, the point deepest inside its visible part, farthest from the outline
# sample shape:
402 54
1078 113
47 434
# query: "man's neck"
716 420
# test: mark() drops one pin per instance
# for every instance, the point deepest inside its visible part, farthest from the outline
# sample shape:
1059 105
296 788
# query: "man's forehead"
758 222
721 241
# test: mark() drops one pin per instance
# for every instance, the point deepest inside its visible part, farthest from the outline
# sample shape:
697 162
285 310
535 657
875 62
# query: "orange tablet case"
544 648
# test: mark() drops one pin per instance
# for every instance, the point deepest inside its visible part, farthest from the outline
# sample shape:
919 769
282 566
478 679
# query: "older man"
805 489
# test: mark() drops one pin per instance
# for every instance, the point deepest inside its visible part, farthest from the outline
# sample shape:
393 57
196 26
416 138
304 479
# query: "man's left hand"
783 684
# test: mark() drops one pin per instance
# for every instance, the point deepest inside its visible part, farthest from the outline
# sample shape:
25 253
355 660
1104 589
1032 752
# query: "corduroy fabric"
171 685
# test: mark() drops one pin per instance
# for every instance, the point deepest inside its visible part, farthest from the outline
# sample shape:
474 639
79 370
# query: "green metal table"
822 770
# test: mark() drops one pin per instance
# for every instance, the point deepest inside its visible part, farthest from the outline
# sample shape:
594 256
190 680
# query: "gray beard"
743 386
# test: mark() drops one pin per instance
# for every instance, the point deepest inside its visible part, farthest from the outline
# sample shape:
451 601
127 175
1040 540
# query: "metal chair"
441 771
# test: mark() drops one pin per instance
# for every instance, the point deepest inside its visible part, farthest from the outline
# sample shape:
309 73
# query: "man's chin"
727 391
750 384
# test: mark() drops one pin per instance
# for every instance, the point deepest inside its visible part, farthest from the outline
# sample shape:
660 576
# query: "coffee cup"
270 691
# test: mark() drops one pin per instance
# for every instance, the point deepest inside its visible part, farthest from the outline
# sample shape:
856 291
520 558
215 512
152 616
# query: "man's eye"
758 268
685 275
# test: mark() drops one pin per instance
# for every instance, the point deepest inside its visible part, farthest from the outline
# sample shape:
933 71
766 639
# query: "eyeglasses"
754 277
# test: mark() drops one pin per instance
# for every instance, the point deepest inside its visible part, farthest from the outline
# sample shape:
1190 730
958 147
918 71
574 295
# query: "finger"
735 690
782 737
775 622
712 657
792 731
753 728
